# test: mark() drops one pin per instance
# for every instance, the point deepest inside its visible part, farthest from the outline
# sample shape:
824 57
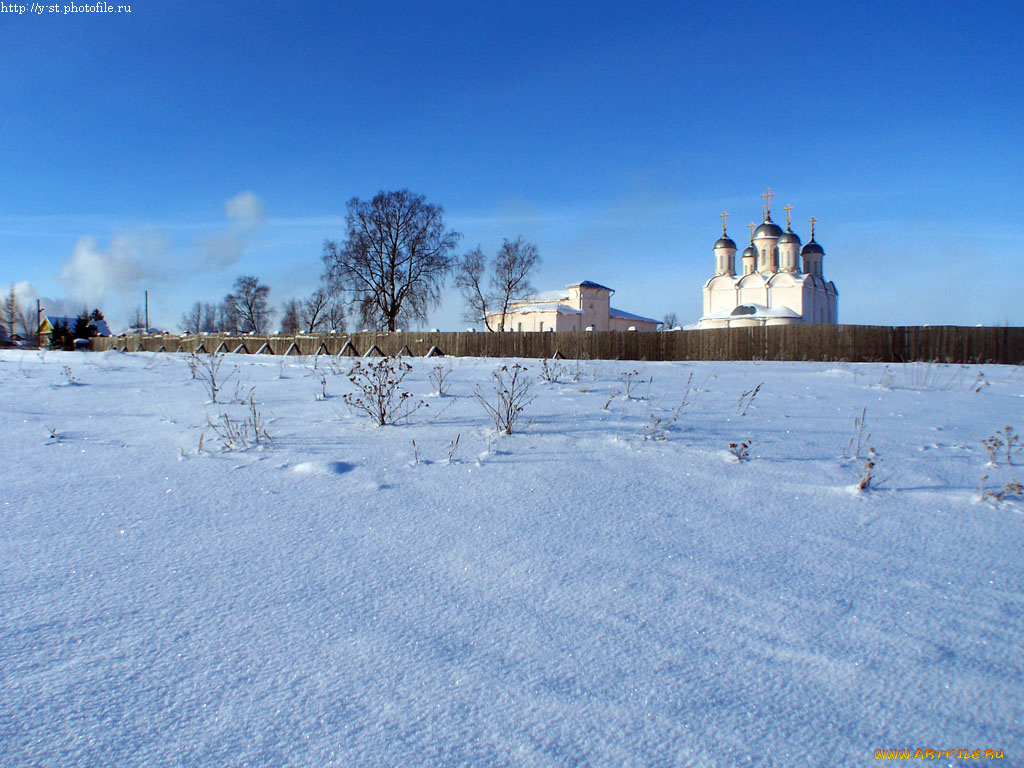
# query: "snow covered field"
571 594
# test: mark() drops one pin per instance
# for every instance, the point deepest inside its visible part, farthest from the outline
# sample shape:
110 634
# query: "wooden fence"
851 343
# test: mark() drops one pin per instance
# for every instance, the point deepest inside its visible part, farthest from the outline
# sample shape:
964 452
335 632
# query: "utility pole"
39 320
147 313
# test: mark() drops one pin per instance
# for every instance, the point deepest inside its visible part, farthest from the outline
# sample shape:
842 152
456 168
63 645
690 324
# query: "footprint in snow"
323 468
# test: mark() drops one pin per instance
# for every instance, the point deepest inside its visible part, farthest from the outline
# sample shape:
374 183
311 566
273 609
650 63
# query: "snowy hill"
609 585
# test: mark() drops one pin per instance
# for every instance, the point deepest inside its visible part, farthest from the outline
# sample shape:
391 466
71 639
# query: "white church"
780 283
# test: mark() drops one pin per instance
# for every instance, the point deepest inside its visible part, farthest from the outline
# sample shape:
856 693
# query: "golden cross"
724 217
751 226
788 209
767 197
812 220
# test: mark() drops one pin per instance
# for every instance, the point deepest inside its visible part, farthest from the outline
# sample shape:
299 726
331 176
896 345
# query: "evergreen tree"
84 329
60 335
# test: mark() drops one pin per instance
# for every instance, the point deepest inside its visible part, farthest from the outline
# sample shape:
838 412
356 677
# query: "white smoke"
25 294
113 276
246 210
247 215
94 275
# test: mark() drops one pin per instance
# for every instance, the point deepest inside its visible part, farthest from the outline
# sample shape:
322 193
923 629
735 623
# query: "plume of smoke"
246 211
94 275
113 277
246 215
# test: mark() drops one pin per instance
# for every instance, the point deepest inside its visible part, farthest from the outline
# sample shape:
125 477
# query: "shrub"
747 399
741 450
1012 490
453 446
869 472
1004 438
206 368
550 373
511 397
439 378
630 379
656 427
853 447
379 394
240 435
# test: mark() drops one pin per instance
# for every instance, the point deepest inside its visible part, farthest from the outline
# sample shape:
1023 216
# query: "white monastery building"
582 306
778 283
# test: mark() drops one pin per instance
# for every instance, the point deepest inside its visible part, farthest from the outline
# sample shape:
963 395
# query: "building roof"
623 315
559 295
102 329
543 296
751 310
524 308
589 284
812 247
553 301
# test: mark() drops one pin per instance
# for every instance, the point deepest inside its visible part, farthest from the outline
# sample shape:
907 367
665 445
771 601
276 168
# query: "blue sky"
181 145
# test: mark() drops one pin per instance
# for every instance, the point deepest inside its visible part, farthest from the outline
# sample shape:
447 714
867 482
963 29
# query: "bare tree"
510 278
248 302
290 322
228 318
313 311
669 321
394 259
192 321
210 322
469 279
317 313
9 313
511 268
137 320
23 315
335 315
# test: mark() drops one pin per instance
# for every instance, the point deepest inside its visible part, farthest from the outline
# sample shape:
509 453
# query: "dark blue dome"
789 236
768 229
812 247
725 242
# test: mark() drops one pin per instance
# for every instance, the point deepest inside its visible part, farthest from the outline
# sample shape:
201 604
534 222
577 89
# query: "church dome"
749 253
768 229
725 242
812 247
789 236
